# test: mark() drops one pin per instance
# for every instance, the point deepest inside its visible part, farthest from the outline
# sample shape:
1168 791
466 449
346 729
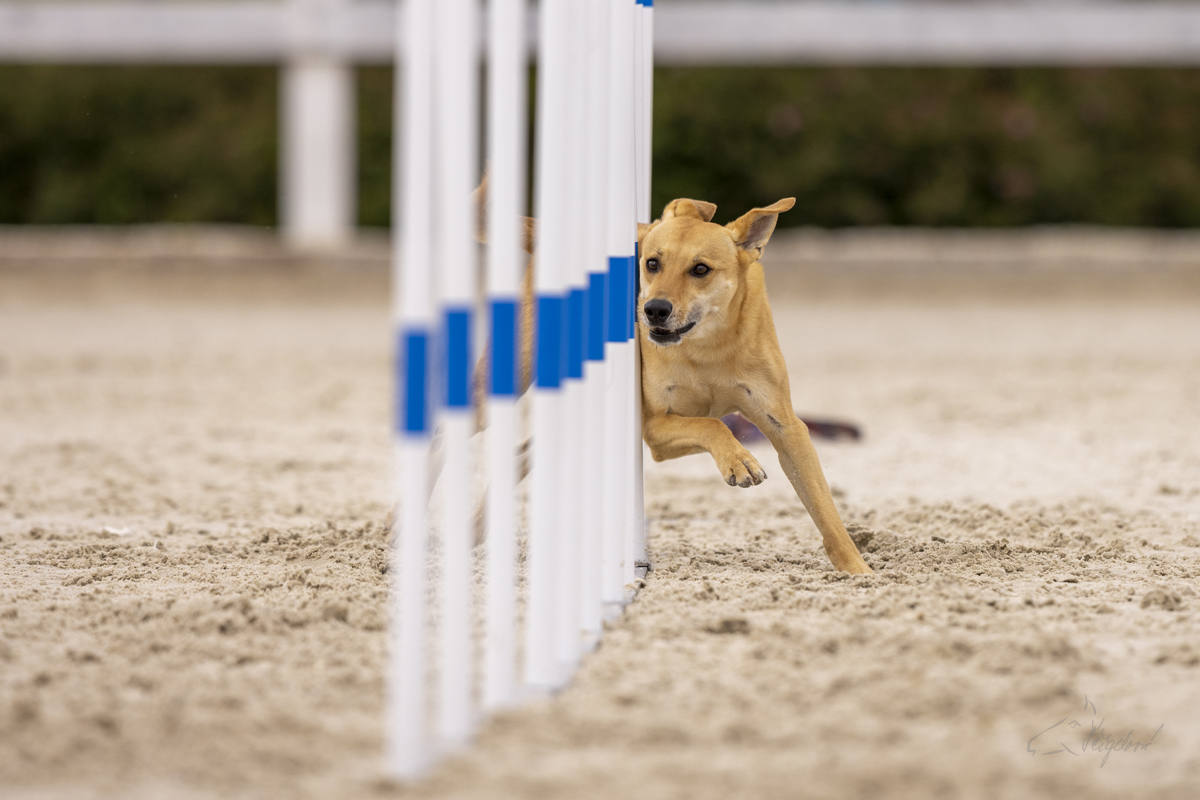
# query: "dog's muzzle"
666 336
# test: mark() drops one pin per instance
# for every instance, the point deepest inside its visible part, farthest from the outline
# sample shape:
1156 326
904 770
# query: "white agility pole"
632 534
457 169
647 125
641 208
569 620
645 213
620 239
594 206
542 671
506 207
583 497
407 750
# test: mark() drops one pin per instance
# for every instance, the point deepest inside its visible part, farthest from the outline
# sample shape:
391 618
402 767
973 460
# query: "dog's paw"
742 469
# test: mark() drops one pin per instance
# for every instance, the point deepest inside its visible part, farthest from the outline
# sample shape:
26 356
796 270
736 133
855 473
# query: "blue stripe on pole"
577 309
597 289
458 358
504 348
549 342
646 3
412 357
618 282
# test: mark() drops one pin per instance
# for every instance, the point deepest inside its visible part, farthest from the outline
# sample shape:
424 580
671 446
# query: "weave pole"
620 239
407 749
644 125
584 506
506 205
594 208
568 640
546 528
456 99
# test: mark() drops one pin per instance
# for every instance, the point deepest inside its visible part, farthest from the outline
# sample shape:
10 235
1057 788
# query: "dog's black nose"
657 311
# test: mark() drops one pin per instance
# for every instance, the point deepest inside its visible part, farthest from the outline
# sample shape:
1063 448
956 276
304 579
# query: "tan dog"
709 348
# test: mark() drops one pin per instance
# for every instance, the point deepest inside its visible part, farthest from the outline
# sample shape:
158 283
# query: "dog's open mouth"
665 336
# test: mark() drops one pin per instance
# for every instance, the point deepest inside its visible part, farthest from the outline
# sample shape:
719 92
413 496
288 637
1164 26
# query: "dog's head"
692 268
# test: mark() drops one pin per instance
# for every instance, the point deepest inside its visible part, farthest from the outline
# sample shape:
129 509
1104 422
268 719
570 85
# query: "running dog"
709 348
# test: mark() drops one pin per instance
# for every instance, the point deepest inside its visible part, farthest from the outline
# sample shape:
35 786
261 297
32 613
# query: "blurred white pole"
407 748
620 239
594 206
317 164
645 214
640 211
648 108
639 100
570 622
542 670
507 74
456 163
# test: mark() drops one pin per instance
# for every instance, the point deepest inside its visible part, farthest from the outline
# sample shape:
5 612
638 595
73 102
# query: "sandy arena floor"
194 466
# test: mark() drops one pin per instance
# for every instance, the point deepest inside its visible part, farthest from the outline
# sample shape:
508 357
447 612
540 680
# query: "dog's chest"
690 395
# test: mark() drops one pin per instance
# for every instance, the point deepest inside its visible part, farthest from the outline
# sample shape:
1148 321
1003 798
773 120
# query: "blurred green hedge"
962 147
137 144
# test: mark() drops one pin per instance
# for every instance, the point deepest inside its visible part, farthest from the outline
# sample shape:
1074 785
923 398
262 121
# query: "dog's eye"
651 265
700 270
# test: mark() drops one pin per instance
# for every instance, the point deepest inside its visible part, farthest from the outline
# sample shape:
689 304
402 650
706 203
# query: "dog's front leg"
799 460
673 436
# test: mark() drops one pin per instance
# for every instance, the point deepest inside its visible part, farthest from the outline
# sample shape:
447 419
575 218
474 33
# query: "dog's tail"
480 196
745 430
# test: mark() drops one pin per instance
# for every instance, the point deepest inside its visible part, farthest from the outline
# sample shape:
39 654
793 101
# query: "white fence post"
318 166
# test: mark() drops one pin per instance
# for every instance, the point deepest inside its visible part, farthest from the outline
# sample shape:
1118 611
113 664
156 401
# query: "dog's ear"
644 228
752 230
683 207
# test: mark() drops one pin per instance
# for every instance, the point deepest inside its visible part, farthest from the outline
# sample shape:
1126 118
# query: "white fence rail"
317 41
187 32
705 32
928 33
